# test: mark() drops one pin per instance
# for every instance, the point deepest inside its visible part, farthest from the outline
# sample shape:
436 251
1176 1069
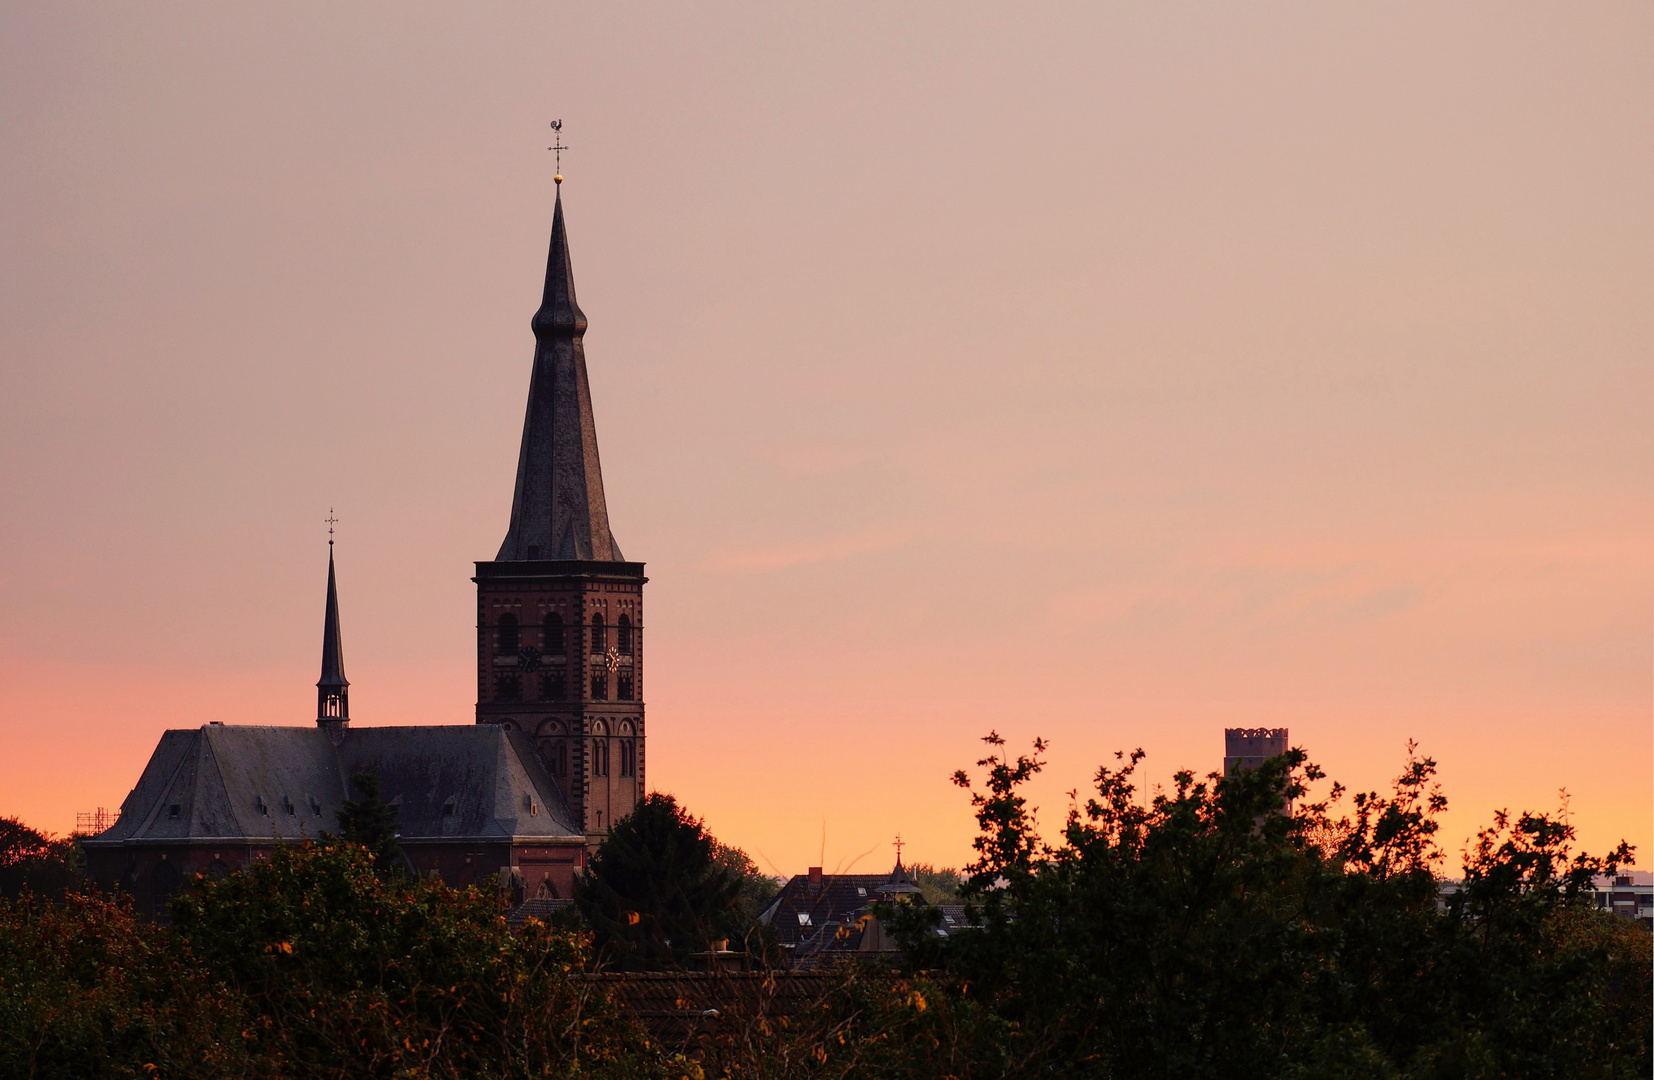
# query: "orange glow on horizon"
1112 374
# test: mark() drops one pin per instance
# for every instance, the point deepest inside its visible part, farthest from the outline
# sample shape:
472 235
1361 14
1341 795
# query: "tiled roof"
815 921
682 1008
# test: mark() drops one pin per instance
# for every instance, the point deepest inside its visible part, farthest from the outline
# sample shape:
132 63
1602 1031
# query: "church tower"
560 610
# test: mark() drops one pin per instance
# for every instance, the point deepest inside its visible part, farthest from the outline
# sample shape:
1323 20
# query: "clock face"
611 659
528 658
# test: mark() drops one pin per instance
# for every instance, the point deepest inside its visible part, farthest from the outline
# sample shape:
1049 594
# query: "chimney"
815 875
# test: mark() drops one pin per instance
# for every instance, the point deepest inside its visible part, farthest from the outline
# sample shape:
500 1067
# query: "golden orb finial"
557 126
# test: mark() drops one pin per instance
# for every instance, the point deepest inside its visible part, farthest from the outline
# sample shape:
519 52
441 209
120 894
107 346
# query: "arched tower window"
554 635
600 637
600 683
623 685
623 635
508 633
553 687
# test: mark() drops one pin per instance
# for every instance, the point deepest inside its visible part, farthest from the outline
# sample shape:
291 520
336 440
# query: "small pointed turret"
332 689
558 510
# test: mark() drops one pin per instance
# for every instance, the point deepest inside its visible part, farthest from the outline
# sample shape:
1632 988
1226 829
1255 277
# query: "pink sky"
1111 373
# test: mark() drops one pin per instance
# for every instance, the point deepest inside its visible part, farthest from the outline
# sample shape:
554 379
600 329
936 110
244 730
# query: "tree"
349 972
371 822
654 891
1199 931
938 885
36 863
90 990
757 888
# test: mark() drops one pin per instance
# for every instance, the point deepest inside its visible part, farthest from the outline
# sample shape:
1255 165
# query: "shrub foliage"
1229 927
1224 927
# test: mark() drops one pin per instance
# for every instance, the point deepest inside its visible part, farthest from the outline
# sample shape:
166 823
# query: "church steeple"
560 654
558 510
332 689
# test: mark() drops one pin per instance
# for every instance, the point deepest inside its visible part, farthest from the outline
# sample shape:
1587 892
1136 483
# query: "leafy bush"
89 990
938 885
1226 927
1207 931
36 863
355 974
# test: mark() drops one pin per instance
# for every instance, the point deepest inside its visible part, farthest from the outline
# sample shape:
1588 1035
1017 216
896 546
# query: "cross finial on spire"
557 127
331 521
899 843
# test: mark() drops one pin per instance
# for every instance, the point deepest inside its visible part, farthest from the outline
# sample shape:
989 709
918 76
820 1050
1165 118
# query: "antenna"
557 128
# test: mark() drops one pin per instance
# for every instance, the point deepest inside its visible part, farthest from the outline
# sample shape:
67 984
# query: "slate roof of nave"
251 783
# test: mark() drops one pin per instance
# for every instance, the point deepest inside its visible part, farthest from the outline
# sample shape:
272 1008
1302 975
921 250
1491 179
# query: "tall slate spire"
558 511
332 689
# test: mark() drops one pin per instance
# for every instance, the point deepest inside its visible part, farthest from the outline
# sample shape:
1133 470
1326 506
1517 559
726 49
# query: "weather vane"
557 126
331 521
898 849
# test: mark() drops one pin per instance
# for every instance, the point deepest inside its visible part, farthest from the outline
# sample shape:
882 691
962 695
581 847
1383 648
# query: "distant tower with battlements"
1247 748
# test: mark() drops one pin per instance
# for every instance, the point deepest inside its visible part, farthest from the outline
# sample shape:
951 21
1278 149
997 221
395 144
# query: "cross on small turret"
899 849
557 126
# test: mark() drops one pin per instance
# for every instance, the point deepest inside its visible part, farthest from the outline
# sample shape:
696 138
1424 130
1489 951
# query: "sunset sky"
1113 373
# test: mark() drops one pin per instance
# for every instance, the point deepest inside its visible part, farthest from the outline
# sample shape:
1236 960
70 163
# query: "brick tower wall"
581 700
